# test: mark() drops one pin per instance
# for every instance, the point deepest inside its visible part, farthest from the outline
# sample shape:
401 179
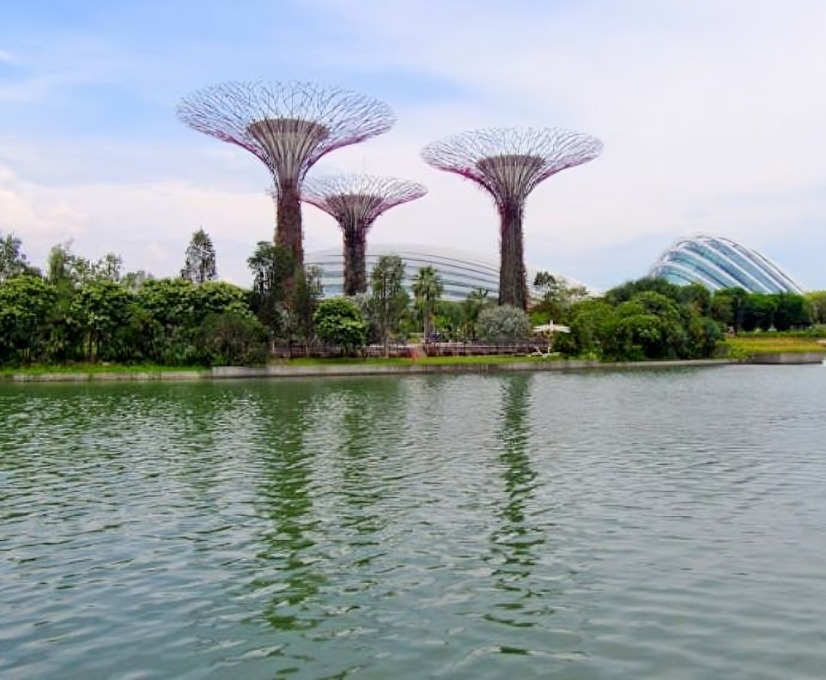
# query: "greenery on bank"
90 369
744 346
90 313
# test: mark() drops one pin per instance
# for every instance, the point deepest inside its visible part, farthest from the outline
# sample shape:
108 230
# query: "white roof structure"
716 262
461 271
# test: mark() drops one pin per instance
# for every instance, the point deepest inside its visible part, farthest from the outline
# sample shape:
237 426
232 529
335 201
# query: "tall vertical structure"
288 126
509 163
355 201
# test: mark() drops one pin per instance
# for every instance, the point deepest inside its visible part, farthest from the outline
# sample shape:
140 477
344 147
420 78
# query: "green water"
662 524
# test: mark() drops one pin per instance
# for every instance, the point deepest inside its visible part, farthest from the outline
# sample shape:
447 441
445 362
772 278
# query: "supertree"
288 126
355 201
509 163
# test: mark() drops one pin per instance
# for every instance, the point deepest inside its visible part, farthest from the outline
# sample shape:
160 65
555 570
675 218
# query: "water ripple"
610 525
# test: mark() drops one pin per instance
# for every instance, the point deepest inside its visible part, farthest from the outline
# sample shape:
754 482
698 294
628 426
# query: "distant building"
716 262
461 272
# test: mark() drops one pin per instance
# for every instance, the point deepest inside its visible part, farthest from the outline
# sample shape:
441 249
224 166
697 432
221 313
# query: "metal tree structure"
509 163
288 126
355 201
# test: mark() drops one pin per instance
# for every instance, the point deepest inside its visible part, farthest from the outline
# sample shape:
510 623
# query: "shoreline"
413 368
338 370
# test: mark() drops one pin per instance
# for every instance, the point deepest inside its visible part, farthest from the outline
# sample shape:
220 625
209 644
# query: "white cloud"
711 114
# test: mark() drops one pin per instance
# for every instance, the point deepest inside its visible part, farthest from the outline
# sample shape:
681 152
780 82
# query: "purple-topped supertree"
509 163
289 126
355 201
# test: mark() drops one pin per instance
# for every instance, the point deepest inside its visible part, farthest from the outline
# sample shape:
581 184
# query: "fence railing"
431 349
459 349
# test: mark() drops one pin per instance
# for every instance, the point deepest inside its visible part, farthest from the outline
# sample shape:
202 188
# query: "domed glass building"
716 262
461 272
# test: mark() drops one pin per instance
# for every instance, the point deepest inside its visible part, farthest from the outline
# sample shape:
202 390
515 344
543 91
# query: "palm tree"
427 288
476 300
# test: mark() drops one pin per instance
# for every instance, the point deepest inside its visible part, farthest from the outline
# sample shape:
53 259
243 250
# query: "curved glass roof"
716 262
461 272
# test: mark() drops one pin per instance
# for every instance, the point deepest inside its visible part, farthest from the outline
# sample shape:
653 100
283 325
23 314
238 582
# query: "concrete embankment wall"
788 358
355 369
322 370
407 369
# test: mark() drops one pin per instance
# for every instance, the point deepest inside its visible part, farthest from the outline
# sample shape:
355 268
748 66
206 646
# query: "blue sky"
711 112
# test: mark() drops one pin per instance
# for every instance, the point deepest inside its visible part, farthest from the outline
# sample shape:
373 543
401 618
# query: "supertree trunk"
288 126
513 287
355 201
509 163
355 258
288 233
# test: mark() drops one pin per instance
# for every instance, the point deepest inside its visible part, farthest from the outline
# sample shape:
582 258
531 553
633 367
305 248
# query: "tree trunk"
513 288
355 259
288 232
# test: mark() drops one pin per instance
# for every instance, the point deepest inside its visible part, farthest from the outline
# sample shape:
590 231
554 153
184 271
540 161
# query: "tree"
557 296
12 260
305 296
66 269
199 265
817 298
650 326
339 321
134 280
758 311
427 289
472 305
449 318
25 302
108 268
728 306
233 338
503 324
164 327
643 320
592 322
629 289
793 311
102 308
59 265
388 298
272 268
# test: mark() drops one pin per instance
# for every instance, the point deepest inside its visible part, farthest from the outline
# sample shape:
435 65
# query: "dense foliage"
388 298
504 323
339 321
83 310
654 319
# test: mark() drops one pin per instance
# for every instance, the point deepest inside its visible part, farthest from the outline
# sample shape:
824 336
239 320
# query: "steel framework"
288 126
355 201
509 163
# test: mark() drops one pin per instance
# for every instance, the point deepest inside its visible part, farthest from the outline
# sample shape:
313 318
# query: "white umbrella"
551 328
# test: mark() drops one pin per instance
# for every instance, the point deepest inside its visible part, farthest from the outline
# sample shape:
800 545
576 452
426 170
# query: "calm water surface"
655 523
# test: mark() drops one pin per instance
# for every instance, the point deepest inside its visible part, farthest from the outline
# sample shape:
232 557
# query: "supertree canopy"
355 201
509 163
289 126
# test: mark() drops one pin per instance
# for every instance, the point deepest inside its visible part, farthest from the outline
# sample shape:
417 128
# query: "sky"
712 114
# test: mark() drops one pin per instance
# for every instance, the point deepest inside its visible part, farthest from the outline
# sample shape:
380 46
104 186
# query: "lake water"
638 524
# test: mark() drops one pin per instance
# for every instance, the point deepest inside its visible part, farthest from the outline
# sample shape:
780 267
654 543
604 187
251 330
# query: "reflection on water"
465 526
516 540
289 575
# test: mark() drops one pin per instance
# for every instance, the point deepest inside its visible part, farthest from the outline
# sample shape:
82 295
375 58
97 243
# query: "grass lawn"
88 369
39 369
768 343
